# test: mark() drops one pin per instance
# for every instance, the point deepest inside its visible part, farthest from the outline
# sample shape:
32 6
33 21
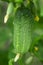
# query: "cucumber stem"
15 8
16 57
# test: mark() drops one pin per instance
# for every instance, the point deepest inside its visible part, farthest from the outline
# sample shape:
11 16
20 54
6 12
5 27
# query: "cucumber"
10 11
22 38
10 8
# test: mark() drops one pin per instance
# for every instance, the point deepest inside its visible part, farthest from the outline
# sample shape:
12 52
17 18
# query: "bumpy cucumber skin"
22 33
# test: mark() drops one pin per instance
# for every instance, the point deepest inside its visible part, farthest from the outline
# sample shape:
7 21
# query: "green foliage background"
6 31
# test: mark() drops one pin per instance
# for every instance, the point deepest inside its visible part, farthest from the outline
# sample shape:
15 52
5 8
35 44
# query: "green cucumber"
10 11
22 37
10 8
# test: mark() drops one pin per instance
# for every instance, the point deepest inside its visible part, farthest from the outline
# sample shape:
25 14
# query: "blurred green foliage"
28 8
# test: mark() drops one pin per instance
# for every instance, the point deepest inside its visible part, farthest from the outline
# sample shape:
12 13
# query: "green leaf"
39 53
36 5
37 44
37 33
10 62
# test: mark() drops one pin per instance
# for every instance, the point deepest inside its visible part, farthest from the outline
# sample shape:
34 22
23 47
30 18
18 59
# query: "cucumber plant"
24 20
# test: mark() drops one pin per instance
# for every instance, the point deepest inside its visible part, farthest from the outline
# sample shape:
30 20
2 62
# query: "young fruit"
23 24
10 9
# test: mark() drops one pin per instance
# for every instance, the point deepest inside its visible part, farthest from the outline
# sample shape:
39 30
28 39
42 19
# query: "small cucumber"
10 8
22 37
